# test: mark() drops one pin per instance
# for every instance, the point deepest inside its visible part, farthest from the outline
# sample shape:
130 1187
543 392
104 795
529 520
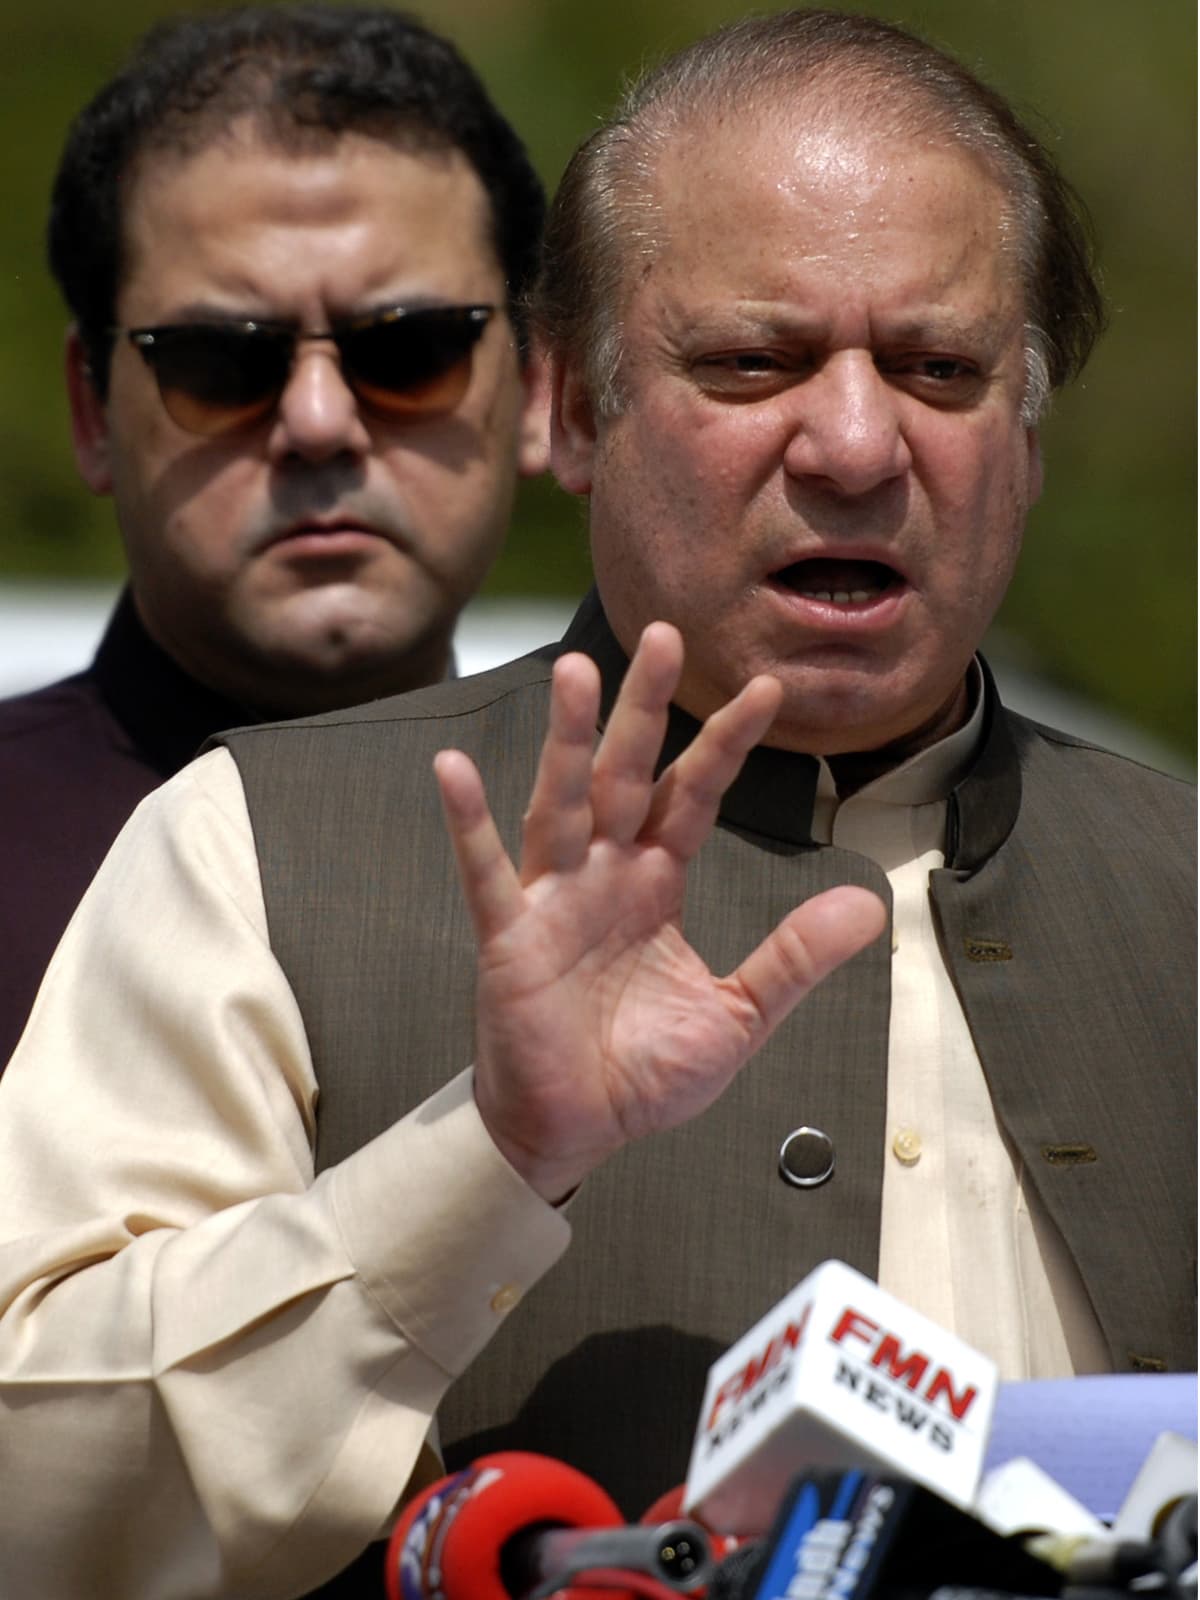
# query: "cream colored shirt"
216 1372
963 1237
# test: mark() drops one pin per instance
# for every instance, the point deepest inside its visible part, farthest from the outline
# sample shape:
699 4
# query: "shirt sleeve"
217 1371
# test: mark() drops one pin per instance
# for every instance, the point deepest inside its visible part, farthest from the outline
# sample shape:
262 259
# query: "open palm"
596 1022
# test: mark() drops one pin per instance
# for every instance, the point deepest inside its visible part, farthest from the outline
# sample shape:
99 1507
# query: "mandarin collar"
928 776
165 712
773 796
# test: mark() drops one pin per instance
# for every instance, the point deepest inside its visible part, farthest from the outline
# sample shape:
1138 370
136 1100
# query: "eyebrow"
989 329
202 313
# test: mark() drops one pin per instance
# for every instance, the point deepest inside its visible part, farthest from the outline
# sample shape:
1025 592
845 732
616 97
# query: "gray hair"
604 216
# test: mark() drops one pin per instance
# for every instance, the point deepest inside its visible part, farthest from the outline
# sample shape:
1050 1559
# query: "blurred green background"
1104 604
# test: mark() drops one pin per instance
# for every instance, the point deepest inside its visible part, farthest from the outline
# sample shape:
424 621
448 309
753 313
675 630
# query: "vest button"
806 1158
505 1299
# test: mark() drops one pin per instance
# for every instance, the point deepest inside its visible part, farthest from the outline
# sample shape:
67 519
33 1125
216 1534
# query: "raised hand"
596 1021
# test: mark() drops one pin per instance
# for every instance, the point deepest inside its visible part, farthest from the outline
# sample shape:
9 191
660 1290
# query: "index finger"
489 880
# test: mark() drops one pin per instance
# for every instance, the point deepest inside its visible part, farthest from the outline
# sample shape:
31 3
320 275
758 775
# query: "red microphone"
517 1526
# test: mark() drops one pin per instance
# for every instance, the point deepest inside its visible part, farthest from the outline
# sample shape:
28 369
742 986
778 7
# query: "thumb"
807 946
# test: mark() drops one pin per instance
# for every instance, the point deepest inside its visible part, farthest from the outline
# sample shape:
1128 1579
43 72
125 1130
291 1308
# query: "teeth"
840 597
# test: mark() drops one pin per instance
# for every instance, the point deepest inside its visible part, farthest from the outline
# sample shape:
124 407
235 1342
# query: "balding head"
606 221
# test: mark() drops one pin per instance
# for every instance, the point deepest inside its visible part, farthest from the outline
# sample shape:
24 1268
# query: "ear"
533 436
572 427
1037 475
89 419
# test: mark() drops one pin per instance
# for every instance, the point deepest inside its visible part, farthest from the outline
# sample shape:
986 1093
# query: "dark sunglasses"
217 377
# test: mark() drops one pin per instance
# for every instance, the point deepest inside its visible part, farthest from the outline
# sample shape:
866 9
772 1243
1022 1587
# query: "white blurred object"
1020 1497
48 631
1164 1478
1092 1434
493 631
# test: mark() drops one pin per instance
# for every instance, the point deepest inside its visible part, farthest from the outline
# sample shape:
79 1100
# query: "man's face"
322 556
821 471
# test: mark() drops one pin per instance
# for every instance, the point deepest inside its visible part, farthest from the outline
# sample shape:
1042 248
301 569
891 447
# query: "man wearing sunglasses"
805 296
293 242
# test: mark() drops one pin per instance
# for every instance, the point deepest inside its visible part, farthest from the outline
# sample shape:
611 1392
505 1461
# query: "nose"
318 417
849 427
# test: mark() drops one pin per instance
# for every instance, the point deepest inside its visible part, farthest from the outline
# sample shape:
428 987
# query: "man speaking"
298 1126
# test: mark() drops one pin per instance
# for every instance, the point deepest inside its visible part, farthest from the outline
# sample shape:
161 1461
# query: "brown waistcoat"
1066 913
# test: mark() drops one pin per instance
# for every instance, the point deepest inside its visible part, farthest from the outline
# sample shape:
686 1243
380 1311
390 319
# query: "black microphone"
856 1535
538 1563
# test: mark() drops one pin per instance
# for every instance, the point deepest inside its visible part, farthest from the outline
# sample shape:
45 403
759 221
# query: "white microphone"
839 1374
1018 1497
1166 1476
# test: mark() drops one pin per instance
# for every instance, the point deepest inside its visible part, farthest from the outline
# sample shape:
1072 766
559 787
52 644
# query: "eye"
746 374
942 380
750 362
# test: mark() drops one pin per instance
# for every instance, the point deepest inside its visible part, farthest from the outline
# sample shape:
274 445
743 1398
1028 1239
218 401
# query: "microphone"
1165 1477
887 1418
1019 1497
518 1526
855 1535
839 1374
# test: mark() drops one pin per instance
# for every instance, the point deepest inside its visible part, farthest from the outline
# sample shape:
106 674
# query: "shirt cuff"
441 1230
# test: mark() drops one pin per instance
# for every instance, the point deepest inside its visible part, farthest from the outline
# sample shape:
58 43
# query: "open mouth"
838 582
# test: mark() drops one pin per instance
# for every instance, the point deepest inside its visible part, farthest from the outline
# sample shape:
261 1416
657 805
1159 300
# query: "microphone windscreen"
459 1539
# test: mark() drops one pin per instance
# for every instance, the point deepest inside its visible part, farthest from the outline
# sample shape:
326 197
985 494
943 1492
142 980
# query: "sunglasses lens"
415 364
218 379
214 380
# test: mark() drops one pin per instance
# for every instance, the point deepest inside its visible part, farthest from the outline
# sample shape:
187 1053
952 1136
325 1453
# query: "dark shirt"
75 759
